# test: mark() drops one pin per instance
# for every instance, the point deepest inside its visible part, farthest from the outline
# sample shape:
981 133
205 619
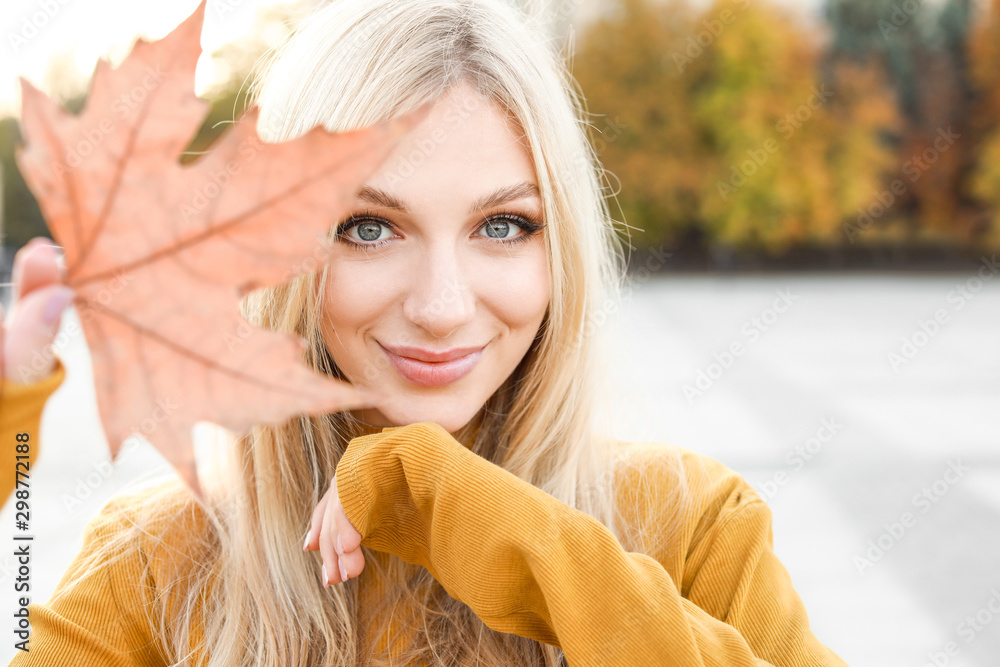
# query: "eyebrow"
498 196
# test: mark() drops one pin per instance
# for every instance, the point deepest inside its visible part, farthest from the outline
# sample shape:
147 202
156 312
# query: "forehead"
501 195
467 148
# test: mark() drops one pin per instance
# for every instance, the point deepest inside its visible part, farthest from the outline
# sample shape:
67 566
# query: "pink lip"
454 365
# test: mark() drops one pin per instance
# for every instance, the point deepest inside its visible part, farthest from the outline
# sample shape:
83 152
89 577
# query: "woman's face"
440 256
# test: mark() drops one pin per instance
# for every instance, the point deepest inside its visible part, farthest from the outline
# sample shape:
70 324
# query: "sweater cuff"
21 408
374 492
21 400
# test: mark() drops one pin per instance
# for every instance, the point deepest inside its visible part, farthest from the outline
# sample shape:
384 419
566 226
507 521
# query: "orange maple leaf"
160 254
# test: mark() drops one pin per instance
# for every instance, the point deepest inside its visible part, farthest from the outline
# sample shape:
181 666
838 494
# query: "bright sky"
35 31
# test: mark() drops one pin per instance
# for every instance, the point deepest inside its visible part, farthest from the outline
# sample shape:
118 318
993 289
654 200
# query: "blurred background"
810 195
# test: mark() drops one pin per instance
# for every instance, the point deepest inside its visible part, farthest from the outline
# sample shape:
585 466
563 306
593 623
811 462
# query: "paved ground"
884 482
932 422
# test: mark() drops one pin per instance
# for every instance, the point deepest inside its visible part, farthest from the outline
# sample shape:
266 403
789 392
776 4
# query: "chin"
388 417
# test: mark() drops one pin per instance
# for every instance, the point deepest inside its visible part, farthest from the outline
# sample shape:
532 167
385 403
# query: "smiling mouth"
434 373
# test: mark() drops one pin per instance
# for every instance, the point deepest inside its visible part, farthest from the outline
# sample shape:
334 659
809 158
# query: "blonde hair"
248 590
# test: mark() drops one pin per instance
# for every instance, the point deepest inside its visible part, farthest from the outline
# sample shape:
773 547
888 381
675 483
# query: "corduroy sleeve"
740 581
21 414
530 565
99 622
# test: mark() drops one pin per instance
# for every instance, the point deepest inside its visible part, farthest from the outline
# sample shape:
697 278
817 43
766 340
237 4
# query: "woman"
479 514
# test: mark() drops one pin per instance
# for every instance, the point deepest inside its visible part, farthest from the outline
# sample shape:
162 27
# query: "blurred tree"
922 48
889 32
727 129
796 157
984 58
20 219
238 61
632 68
946 98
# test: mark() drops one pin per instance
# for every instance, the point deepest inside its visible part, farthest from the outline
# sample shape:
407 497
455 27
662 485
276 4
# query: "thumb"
33 324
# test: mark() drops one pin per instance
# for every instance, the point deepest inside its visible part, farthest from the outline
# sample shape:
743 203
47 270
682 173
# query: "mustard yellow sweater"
712 593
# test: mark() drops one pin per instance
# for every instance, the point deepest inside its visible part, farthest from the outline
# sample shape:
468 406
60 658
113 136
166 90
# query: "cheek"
518 292
353 302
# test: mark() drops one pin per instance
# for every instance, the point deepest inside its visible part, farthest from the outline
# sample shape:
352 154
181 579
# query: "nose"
440 299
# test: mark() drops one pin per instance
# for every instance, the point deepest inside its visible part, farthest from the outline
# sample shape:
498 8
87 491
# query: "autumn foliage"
743 126
984 57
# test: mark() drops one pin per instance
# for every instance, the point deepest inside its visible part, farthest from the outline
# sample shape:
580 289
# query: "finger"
326 545
351 559
352 562
35 265
35 319
316 523
350 538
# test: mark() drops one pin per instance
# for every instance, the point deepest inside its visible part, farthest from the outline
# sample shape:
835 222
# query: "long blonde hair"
246 593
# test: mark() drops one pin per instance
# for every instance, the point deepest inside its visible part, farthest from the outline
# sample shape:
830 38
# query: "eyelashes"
528 223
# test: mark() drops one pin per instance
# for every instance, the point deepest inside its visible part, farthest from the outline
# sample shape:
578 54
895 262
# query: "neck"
369 429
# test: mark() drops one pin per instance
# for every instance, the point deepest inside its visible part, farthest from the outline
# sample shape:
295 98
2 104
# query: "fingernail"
60 253
343 572
326 580
57 302
305 545
340 546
